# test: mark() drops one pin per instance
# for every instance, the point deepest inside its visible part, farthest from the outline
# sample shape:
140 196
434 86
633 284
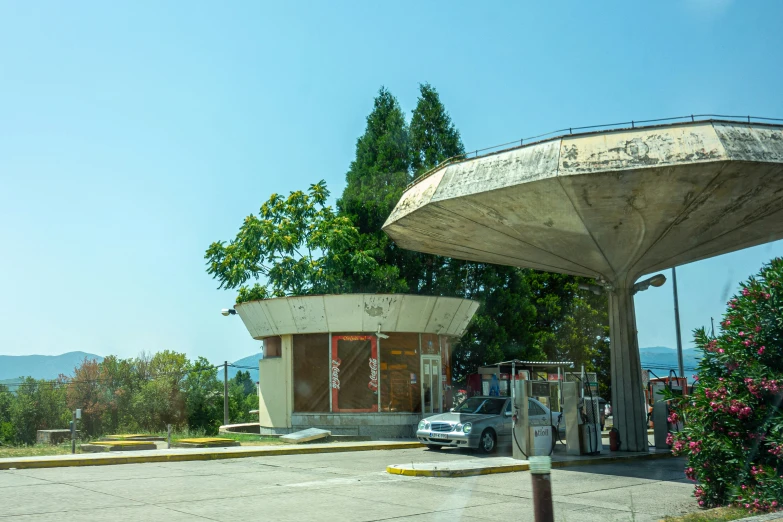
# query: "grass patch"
37 450
723 514
45 450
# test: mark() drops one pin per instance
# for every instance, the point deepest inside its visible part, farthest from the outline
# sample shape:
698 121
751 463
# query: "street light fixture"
656 281
228 311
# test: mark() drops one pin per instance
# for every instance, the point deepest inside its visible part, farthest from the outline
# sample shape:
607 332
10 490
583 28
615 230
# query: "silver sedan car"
480 423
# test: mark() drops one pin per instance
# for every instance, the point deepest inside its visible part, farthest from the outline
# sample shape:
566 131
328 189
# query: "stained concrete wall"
276 377
375 425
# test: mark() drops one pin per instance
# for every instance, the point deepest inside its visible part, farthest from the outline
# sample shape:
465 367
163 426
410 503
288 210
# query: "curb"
108 460
511 468
488 470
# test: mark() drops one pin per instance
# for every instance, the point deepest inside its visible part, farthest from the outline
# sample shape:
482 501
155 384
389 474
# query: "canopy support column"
628 406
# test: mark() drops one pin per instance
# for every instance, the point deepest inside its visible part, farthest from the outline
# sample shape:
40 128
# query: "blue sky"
133 134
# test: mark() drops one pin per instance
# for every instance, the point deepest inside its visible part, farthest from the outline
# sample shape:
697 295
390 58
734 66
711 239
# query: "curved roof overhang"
357 313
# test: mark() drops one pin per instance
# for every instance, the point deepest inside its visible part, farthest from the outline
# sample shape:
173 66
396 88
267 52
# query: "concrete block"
53 436
307 435
206 442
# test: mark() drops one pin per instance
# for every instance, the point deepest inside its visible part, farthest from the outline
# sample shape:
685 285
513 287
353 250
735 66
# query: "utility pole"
225 393
677 322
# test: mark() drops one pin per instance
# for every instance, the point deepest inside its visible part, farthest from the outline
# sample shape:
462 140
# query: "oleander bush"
733 422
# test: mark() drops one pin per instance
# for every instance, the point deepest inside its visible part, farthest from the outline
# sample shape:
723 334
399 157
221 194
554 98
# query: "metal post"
677 322
168 436
73 433
540 468
225 393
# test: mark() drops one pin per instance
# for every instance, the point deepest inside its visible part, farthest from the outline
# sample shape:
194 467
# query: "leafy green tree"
161 399
39 405
298 245
733 421
204 397
6 428
244 382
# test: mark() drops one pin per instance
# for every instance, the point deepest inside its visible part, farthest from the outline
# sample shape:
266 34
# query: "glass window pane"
400 373
311 373
354 373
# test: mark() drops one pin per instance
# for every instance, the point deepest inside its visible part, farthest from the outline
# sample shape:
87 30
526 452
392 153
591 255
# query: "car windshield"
481 405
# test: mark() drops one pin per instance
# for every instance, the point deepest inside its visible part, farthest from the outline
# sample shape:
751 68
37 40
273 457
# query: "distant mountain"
41 366
660 359
250 360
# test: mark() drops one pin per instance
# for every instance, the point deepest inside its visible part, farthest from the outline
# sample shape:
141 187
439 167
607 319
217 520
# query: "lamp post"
226 312
677 322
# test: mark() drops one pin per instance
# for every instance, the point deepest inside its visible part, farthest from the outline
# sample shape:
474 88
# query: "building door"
430 384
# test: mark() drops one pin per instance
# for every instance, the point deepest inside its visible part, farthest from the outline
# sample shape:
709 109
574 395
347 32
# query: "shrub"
733 422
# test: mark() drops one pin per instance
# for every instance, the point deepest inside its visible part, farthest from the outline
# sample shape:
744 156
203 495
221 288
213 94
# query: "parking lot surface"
336 486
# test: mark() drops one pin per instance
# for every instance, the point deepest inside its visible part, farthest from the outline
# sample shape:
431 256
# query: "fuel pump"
530 438
572 418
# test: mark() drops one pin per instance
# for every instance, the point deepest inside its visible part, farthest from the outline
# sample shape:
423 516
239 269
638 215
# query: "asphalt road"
336 486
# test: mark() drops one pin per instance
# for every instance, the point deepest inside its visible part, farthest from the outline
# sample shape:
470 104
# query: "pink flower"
761 350
741 334
745 291
720 350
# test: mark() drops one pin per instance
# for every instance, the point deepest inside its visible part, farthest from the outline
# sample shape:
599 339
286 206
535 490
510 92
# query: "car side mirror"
507 414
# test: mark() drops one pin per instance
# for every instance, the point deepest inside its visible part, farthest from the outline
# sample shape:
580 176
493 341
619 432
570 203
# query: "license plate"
438 436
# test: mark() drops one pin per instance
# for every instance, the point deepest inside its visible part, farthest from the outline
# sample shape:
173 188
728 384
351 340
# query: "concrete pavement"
336 486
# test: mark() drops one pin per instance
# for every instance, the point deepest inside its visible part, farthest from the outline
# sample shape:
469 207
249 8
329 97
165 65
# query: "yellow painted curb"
489 470
107 460
510 468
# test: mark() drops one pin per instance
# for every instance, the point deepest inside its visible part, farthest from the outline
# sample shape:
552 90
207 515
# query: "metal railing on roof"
522 142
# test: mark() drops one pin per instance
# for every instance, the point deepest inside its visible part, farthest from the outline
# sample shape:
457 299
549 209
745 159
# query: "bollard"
540 467
168 437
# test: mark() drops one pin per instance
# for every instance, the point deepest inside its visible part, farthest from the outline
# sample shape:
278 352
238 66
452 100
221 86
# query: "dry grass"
36 450
723 514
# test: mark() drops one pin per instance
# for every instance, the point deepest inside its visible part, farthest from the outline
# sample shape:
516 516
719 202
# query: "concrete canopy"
614 205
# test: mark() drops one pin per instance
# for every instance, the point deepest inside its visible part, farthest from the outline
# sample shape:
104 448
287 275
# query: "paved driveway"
335 486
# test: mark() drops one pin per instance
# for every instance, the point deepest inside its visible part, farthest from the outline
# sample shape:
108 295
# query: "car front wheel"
487 442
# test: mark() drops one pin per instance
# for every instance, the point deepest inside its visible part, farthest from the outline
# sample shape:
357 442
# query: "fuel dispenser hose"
554 442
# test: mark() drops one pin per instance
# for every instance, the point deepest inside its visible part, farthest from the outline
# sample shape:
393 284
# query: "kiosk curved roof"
357 313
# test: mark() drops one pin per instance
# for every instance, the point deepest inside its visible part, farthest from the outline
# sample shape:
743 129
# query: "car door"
505 424
535 414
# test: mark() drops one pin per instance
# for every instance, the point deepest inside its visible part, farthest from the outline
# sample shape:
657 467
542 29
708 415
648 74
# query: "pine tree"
376 180
433 135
